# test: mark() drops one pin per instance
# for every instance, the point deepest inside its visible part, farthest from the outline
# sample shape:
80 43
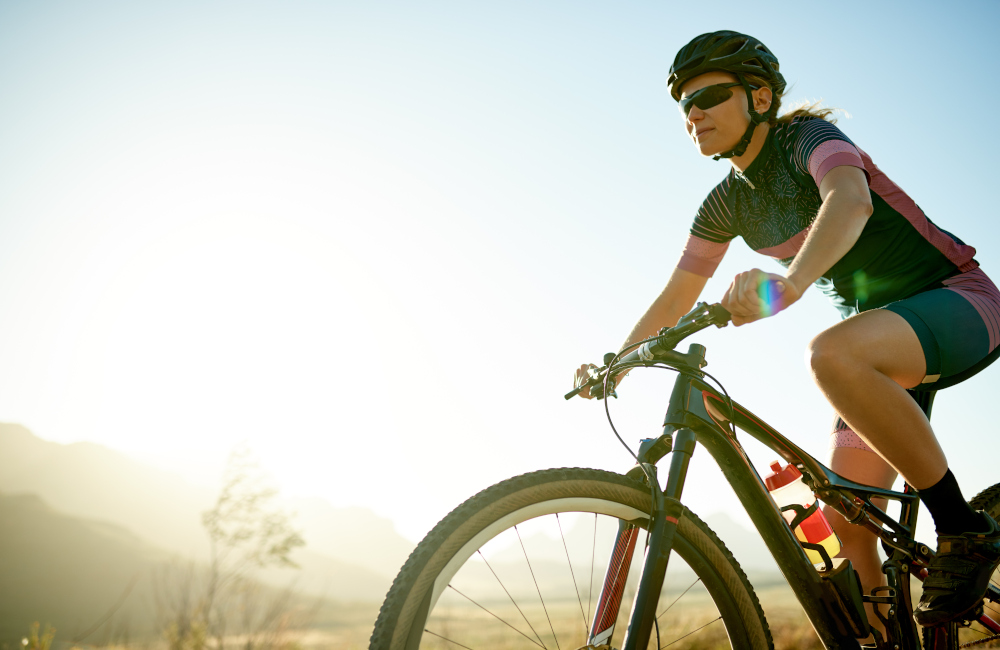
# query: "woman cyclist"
918 313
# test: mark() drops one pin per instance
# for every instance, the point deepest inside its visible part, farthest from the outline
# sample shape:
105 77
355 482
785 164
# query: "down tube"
789 555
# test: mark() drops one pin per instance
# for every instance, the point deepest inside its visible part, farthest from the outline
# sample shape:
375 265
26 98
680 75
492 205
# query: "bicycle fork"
665 517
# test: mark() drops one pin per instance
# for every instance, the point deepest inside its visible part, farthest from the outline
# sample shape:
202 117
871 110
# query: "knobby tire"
426 574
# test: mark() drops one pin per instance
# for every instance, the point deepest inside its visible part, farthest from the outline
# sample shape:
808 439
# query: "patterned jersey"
773 204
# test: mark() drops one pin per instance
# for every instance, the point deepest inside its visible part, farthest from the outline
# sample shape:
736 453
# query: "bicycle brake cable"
607 412
604 388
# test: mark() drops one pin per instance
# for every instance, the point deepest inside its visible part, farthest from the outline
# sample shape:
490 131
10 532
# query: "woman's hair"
802 110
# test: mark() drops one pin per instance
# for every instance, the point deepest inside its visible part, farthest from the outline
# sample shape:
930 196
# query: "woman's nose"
694 115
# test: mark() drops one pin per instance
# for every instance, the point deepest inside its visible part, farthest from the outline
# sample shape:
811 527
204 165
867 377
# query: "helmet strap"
755 119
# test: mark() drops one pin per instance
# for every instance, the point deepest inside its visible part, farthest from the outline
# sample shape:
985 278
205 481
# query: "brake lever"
595 383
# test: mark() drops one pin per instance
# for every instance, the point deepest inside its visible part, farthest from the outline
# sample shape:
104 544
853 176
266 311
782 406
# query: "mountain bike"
516 565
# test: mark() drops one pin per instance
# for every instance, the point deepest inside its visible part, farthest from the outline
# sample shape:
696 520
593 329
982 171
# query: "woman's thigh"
880 339
958 327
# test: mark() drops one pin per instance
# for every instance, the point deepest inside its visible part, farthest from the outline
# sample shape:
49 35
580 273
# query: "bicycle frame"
698 414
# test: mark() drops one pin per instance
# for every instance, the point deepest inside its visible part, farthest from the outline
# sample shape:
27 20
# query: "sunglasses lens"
706 98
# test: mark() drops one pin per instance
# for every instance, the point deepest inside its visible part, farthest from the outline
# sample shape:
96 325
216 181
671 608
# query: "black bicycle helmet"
731 52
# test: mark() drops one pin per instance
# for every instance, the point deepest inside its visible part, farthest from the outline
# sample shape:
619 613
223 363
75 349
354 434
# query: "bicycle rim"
522 565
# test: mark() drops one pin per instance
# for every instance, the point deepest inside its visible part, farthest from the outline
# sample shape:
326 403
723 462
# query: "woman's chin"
710 148
706 149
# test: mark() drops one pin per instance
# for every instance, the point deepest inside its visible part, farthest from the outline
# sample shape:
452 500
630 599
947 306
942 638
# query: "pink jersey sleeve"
834 153
701 256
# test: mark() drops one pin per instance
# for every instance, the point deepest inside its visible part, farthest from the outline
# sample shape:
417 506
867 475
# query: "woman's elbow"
865 207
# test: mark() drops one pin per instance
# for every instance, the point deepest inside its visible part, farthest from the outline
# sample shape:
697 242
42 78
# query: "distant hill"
88 480
67 571
350 554
354 535
94 579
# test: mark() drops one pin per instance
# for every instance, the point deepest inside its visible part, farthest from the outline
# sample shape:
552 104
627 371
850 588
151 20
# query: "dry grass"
478 629
349 626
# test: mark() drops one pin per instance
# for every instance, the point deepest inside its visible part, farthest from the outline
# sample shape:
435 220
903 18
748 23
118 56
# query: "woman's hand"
755 294
581 376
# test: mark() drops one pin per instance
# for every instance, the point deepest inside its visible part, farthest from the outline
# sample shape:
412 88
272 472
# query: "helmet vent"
693 63
729 49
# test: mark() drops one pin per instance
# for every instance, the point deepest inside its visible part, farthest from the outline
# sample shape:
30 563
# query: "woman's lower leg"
858 544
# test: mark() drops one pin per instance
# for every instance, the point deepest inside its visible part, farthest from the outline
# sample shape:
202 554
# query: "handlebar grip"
596 390
720 313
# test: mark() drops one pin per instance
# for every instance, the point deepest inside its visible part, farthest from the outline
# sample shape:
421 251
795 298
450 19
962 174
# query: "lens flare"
861 286
769 293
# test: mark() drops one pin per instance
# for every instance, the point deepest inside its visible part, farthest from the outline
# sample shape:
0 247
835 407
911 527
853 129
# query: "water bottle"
788 489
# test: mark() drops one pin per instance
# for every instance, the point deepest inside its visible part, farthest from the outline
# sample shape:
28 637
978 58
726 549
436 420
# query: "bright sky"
373 240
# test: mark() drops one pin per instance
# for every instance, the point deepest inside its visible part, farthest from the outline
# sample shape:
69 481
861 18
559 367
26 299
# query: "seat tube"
661 540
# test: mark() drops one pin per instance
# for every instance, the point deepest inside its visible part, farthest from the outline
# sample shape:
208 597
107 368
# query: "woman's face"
720 127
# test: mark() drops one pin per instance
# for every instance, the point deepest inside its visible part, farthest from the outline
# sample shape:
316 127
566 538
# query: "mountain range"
79 522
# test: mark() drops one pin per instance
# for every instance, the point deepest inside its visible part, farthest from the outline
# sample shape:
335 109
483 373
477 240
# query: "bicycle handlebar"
659 348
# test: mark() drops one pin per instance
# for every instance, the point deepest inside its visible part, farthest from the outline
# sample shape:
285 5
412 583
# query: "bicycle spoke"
512 601
447 639
691 632
537 588
697 580
494 616
576 589
593 554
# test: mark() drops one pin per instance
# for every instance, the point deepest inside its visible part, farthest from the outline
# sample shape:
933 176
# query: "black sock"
951 513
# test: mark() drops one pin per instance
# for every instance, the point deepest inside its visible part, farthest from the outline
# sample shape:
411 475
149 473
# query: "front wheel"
521 564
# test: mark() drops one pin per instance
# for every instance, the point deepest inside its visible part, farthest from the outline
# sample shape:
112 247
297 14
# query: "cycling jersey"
773 204
902 262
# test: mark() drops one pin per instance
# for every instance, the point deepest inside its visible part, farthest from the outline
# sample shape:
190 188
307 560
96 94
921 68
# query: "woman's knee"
829 355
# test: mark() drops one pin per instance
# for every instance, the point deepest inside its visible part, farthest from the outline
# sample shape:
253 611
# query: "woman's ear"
762 100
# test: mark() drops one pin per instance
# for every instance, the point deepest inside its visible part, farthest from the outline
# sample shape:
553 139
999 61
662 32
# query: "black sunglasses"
709 96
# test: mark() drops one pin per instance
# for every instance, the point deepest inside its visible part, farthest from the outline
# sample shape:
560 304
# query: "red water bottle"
788 489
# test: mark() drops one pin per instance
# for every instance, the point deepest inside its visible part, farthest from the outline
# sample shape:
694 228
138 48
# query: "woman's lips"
698 135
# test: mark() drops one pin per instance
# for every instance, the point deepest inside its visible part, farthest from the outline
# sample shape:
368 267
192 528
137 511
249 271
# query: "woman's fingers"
580 376
744 296
743 300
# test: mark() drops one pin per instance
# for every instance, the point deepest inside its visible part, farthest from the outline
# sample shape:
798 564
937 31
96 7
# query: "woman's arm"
676 299
845 210
847 204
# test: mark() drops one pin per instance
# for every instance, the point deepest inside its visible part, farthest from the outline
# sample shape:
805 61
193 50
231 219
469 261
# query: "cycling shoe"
959 575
